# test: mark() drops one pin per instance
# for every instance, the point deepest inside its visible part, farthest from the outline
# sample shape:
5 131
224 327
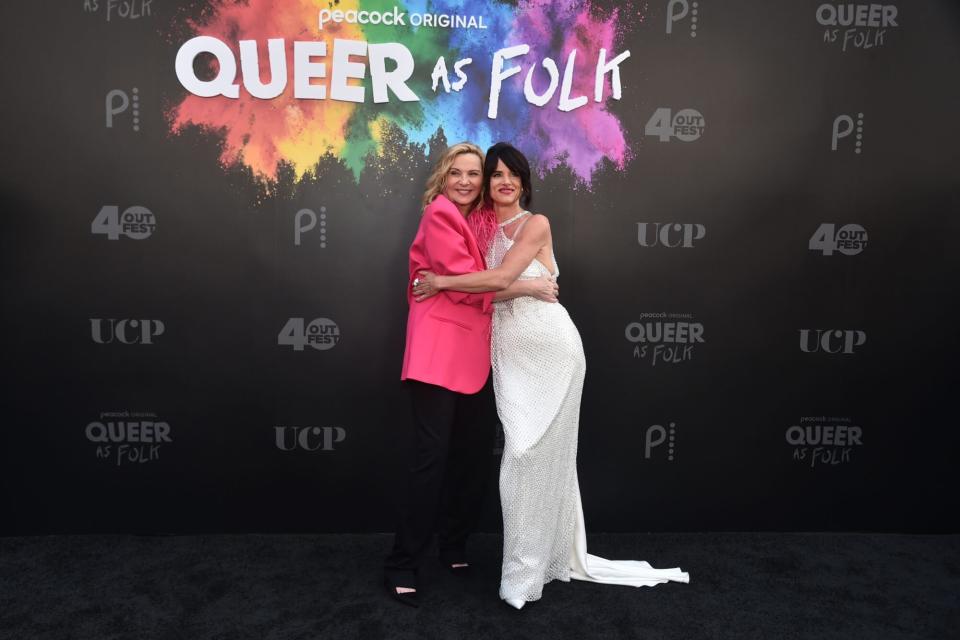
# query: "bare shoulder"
536 228
537 223
539 219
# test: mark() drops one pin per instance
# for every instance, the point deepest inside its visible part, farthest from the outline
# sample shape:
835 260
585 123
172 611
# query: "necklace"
513 219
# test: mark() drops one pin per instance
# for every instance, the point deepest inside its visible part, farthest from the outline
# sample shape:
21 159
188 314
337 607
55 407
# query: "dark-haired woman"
538 371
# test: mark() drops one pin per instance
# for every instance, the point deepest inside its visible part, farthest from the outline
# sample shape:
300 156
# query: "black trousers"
454 435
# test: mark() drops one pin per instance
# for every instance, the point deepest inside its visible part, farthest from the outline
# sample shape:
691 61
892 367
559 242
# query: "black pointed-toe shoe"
408 598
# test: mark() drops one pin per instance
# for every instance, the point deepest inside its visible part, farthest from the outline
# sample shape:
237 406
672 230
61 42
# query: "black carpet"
328 586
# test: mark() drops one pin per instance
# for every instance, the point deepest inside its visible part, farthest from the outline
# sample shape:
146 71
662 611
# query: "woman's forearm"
477 282
517 289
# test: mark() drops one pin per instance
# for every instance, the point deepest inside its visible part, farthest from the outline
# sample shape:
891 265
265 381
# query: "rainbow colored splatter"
262 133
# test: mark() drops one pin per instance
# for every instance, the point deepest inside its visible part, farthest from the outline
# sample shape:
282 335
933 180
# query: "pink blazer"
448 335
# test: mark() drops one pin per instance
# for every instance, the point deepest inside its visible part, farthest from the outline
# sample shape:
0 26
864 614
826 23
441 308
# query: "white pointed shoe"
516 603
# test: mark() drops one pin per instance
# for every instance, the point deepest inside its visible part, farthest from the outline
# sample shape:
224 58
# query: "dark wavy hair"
516 162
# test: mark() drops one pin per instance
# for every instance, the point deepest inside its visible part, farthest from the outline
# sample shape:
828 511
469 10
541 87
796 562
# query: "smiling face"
506 176
505 186
463 182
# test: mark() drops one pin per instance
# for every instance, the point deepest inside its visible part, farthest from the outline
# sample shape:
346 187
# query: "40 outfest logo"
136 223
321 334
686 125
849 239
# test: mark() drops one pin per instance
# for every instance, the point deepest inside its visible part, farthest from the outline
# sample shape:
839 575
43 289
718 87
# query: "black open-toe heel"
409 598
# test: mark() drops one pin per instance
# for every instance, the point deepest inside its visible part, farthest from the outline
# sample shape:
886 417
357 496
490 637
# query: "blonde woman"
446 366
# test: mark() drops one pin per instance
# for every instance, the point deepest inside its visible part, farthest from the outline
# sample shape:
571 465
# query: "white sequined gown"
538 369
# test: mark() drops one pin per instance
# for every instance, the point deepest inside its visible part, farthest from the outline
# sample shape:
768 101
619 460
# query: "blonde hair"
438 179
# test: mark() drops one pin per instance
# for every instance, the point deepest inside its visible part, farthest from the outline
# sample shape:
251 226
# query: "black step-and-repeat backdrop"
208 205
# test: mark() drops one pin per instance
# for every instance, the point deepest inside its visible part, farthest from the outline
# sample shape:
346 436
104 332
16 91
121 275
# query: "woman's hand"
543 288
425 286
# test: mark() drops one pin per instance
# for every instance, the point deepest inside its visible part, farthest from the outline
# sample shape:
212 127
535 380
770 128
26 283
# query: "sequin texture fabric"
538 373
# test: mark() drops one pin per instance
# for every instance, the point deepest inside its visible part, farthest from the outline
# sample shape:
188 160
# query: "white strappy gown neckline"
513 219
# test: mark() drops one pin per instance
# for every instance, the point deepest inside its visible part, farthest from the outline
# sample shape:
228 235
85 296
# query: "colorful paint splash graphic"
263 133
